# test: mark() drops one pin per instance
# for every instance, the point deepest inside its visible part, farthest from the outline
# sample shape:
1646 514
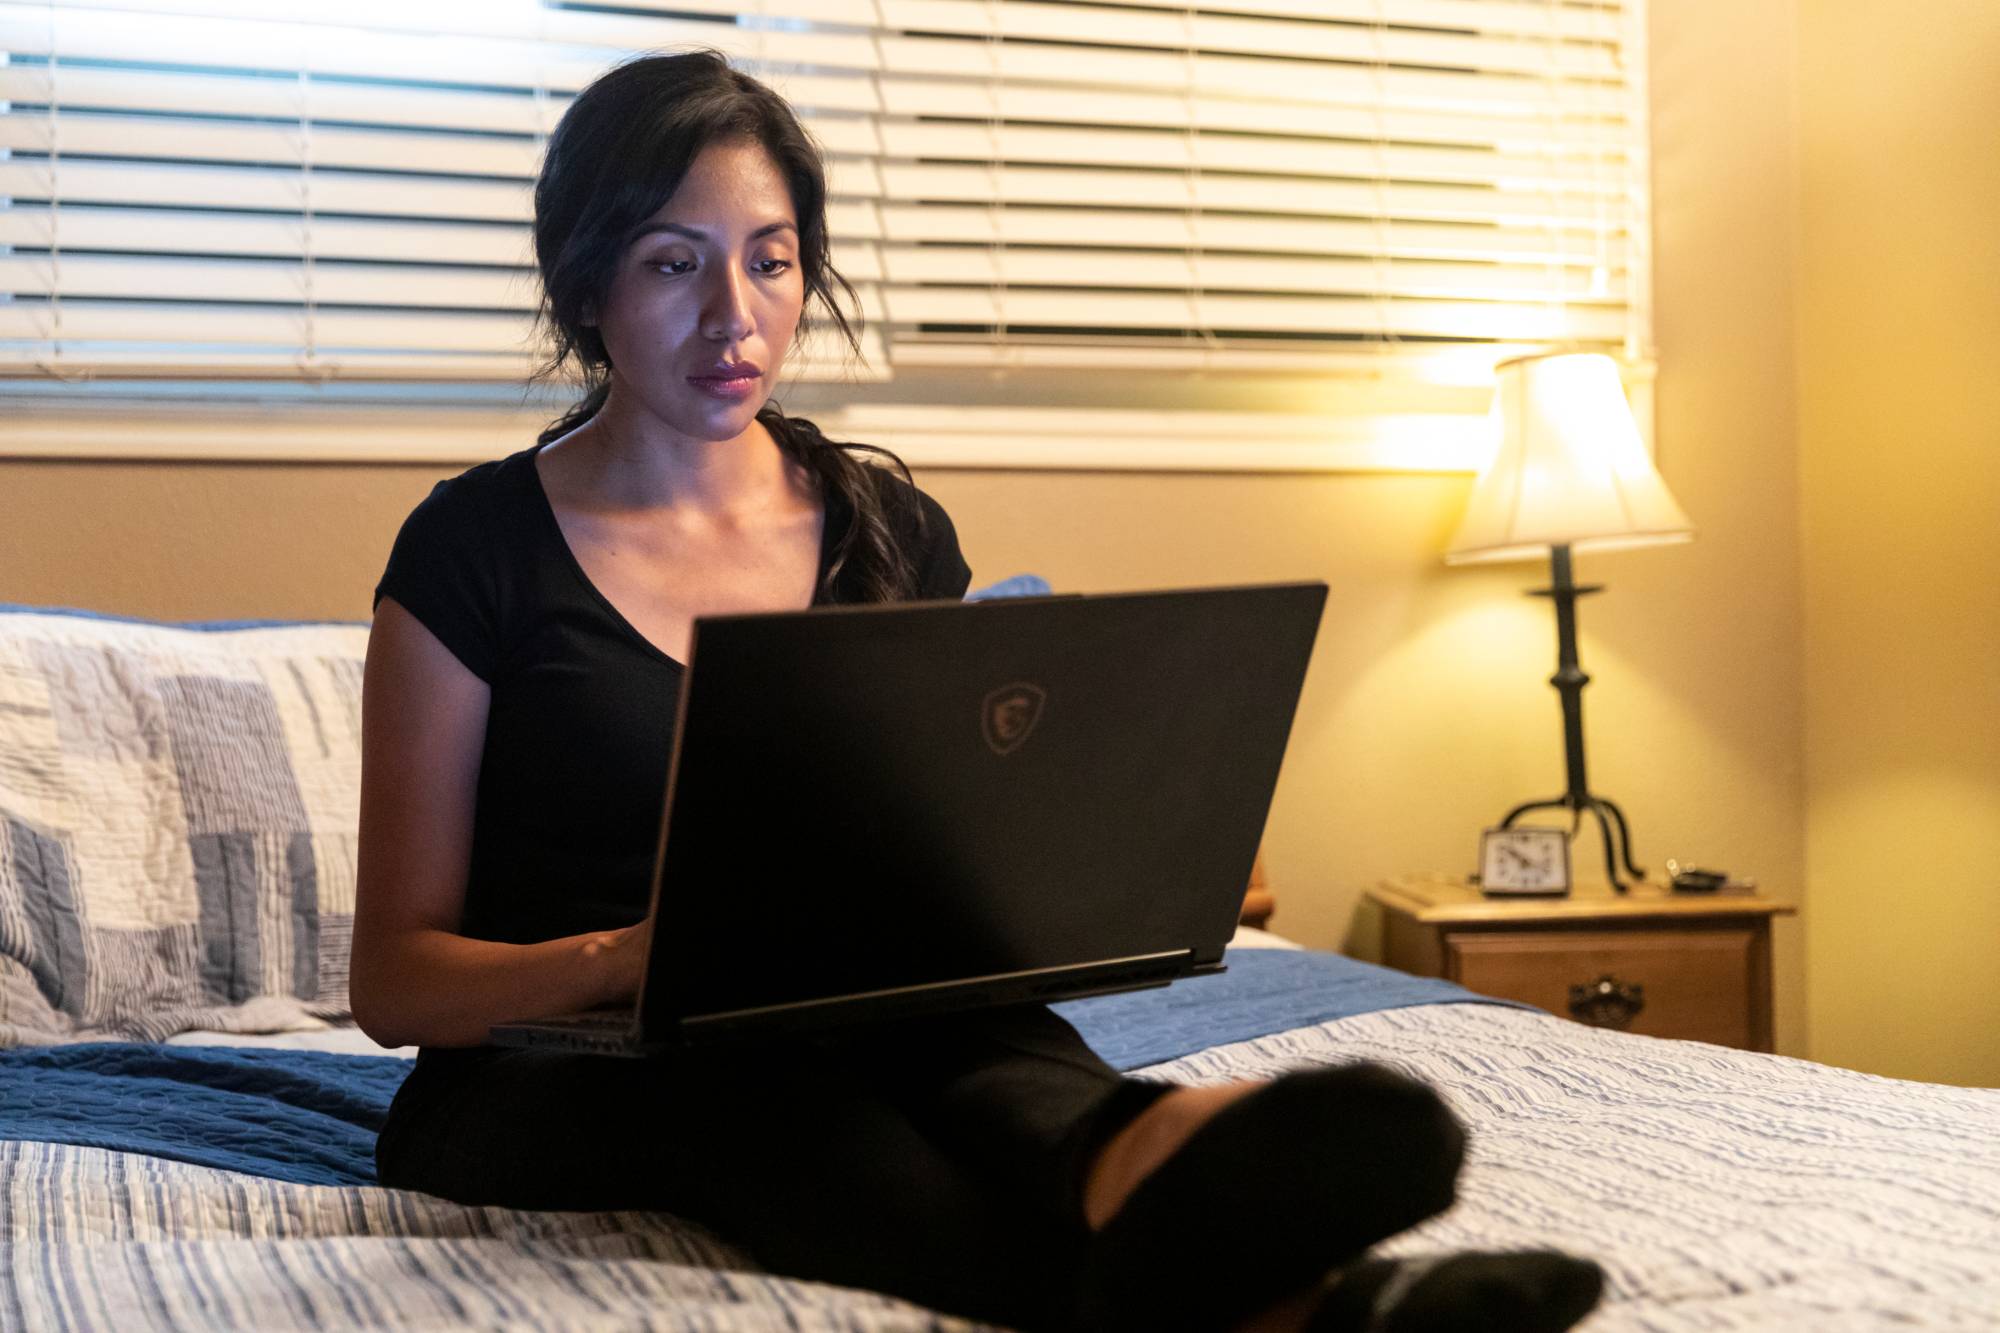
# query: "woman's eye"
771 268
674 266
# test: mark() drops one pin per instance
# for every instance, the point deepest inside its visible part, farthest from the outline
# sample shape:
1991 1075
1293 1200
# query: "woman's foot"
1217 1203
1532 1291
1523 1291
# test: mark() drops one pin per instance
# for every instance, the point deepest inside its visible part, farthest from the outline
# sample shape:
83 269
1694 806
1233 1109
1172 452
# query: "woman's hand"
621 957
443 989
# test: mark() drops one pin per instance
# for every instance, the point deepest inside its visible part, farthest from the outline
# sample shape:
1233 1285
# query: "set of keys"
1692 879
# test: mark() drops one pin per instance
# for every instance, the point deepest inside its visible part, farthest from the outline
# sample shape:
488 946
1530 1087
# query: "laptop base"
603 1032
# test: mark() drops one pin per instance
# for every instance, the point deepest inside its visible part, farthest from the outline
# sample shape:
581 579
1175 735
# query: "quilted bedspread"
310 1117
302 1116
1720 1189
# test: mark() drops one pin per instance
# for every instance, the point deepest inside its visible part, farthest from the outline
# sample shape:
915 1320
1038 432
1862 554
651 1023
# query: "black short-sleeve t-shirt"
581 722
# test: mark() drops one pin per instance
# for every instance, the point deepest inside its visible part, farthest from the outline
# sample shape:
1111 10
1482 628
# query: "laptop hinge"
1042 984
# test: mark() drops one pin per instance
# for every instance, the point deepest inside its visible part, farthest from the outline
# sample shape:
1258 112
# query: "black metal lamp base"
1569 681
1617 845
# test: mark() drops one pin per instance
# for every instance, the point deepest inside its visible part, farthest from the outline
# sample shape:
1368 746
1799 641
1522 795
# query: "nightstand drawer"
1697 984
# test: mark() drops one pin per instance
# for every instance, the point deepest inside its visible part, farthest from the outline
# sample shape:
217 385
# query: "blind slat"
1185 28
524 22
1452 363
177 360
1522 18
269 281
222 187
1514 18
1114 268
119 324
193 232
1281 315
1398 200
332 191
1303 81
270 97
1269 154
1521 260
427 56
975 99
101 134
390 286
1215 231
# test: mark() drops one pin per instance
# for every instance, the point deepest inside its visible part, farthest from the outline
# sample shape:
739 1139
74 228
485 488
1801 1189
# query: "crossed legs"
989 1165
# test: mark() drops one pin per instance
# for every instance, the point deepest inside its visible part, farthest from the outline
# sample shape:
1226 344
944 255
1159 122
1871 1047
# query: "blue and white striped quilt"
1720 1189
310 1117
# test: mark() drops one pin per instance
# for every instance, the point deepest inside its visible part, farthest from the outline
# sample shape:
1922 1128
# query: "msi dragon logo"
1009 715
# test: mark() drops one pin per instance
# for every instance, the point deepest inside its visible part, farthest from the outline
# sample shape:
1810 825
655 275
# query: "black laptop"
887 811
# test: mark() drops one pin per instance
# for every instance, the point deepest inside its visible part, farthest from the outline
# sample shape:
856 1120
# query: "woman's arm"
414 979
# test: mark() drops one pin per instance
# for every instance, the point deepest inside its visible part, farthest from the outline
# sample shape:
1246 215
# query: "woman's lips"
734 388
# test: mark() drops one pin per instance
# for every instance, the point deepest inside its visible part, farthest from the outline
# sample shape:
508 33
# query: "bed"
186 1117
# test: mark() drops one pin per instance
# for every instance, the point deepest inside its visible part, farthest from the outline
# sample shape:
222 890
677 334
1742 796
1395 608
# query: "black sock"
1530 1291
1279 1186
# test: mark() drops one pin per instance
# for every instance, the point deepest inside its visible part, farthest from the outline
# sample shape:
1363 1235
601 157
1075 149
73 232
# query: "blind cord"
309 362
53 365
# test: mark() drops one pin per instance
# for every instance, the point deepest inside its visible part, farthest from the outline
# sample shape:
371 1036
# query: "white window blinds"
268 188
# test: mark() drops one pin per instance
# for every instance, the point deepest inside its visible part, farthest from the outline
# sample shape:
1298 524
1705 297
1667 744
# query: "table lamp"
1571 473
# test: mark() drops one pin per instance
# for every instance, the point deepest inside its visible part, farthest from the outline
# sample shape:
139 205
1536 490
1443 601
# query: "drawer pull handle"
1607 1002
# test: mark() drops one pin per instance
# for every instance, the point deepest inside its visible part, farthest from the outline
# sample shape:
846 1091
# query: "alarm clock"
1524 861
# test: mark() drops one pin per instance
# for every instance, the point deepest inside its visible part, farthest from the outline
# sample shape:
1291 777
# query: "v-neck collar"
834 518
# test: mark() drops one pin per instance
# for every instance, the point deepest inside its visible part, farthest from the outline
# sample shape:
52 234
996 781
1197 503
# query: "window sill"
929 437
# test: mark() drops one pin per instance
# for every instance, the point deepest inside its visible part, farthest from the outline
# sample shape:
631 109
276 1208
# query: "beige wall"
1427 712
1899 316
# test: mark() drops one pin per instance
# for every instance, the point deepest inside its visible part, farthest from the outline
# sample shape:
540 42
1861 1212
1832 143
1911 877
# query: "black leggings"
940 1160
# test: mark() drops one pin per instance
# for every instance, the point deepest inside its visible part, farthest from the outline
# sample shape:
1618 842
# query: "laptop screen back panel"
872 798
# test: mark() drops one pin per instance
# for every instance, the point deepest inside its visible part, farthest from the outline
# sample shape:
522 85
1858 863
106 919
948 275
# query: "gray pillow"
178 816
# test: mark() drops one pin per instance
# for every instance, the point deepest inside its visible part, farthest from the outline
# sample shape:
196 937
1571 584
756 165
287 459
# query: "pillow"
178 815
1020 585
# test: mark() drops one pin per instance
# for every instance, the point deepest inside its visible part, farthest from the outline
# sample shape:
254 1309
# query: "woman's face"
702 309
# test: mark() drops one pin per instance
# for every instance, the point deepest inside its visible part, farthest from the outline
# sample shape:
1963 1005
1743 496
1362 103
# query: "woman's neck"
627 462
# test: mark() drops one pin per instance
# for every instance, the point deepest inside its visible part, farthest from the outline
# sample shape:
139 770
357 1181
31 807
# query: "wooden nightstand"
1653 961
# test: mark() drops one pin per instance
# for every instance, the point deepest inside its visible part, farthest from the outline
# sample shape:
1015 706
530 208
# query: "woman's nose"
725 312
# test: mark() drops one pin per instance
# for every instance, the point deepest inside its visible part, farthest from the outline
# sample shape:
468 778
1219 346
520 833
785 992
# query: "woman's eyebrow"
697 234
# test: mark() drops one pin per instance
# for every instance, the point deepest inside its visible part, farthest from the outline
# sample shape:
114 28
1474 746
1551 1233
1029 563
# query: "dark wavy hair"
616 157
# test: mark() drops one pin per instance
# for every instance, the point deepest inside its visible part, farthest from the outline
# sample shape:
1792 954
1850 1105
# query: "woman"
521 676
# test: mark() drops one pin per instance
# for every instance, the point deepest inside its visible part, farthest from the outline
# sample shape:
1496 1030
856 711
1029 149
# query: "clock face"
1524 860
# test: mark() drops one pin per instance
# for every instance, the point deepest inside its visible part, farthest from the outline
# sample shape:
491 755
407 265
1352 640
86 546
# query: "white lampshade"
1570 470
